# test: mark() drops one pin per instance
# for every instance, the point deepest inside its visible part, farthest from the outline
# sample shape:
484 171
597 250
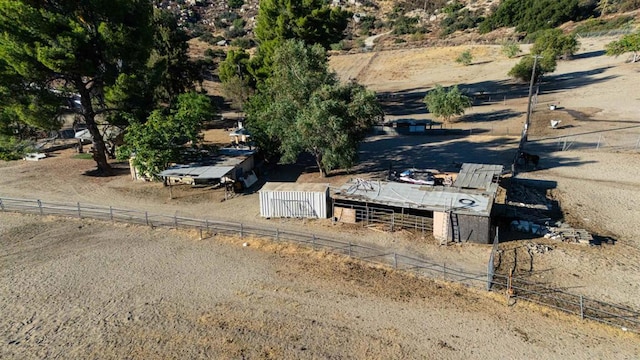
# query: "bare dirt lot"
591 157
87 289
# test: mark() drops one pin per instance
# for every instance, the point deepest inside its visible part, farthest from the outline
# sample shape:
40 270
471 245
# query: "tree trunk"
100 150
323 173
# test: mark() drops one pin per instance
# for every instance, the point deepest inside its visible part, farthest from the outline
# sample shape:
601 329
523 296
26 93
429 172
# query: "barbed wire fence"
612 314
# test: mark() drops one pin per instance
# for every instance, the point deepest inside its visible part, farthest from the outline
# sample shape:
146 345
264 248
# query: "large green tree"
550 44
312 21
116 56
628 43
446 103
159 141
555 42
56 48
302 107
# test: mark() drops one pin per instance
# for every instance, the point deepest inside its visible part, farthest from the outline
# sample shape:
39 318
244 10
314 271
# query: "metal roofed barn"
459 213
232 163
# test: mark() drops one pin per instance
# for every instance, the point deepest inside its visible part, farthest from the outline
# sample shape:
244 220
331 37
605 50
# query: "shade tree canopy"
303 108
446 103
159 141
118 57
549 46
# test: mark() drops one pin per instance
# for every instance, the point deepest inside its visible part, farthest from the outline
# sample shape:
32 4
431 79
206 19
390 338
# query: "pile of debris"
558 231
568 234
533 248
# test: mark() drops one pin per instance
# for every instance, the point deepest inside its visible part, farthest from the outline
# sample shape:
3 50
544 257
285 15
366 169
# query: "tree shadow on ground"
497 115
589 55
405 102
445 153
561 82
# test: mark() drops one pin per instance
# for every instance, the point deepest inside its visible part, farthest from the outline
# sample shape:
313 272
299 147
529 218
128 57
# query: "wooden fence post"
1 205
206 221
313 241
349 248
395 260
40 207
277 234
241 231
175 219
79 214
444 270
111 213
581 308
146 217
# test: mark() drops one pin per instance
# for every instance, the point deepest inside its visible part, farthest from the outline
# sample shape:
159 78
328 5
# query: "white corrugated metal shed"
423 197
295 200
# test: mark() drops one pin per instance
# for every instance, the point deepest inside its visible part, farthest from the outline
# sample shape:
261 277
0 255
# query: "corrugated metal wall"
294 204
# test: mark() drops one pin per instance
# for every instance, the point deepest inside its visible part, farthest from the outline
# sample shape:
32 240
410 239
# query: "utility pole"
533 76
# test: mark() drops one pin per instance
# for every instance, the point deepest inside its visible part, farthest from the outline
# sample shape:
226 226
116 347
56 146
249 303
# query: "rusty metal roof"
472 192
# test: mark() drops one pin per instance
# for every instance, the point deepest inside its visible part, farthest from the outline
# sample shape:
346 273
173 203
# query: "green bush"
242 42
404 25
236 29
235 4
217 53
510 49
465 58
555 42
339 46
460 19
524 69
366 24
13 149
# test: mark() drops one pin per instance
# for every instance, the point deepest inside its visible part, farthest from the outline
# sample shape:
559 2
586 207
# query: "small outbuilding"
235 164
294 200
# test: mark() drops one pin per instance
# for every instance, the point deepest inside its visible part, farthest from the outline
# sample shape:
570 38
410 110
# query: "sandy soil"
86 289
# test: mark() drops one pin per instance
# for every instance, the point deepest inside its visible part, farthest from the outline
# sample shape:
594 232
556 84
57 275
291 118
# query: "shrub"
465 58
339 46
524 69
554 41
234 4
13 149
404 25
460 19
510 49
243 43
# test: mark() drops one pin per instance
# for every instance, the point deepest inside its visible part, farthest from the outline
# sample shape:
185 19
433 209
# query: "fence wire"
612 314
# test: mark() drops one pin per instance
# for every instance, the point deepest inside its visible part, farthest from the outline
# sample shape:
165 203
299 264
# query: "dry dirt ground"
597 185
597 174
89 289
